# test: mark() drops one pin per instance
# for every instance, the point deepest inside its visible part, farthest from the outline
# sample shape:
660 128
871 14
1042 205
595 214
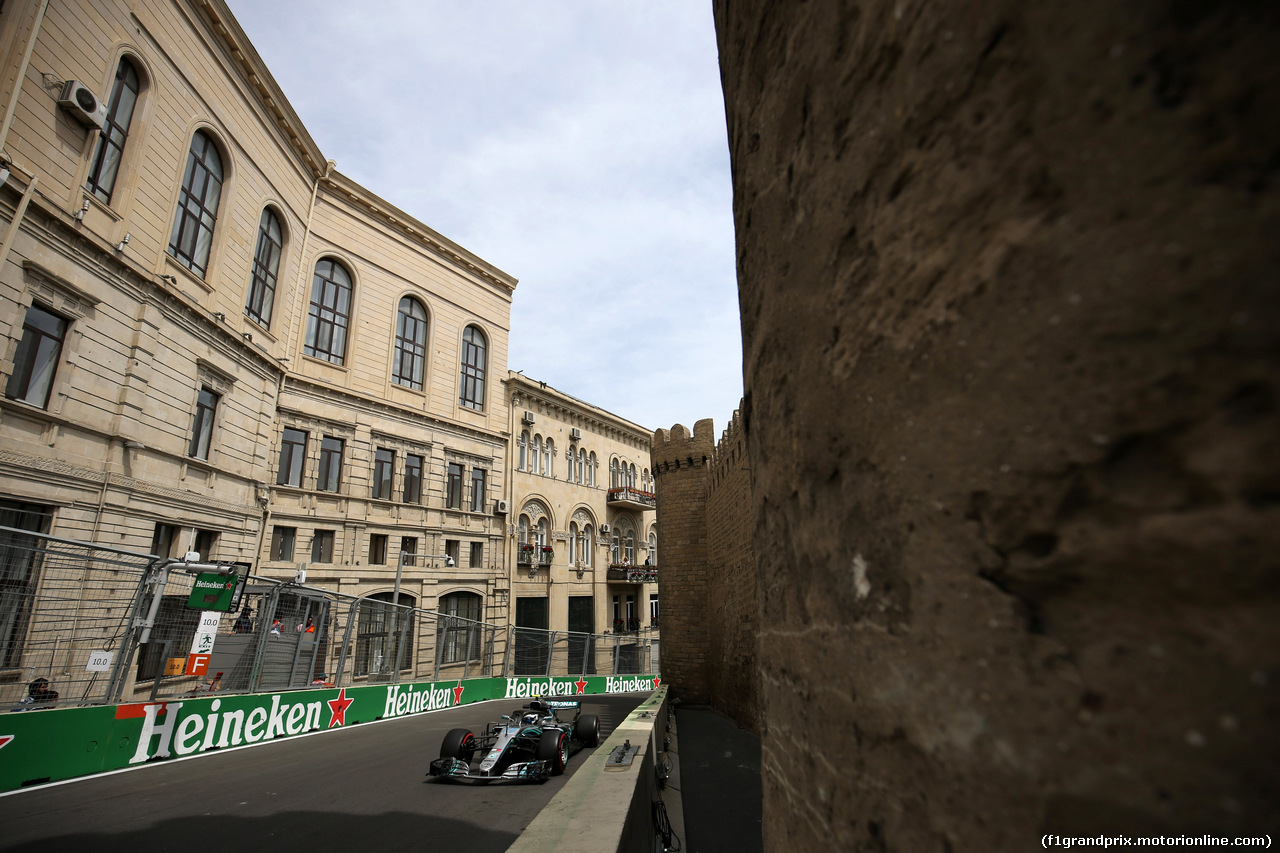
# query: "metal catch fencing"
103 625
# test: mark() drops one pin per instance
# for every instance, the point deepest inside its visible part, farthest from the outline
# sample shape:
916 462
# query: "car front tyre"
554 747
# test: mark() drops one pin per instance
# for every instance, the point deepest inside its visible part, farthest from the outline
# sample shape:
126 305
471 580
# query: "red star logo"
457 693
656 682
581 684
338 709
5 740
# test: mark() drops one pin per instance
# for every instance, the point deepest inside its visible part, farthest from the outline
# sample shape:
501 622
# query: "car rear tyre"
554 747
587 730
458 743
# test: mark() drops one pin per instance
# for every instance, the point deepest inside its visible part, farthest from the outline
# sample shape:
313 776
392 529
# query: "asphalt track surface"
361 789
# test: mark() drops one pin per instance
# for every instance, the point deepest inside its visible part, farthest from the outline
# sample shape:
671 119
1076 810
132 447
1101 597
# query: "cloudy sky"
578 145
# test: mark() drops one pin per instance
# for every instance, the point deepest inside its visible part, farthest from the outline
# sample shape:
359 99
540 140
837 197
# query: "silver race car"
531 744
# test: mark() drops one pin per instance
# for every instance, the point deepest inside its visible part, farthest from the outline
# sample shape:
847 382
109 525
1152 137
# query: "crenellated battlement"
675 449
731 448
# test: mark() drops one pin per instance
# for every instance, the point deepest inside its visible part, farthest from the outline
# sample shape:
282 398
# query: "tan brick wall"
681 464
732 607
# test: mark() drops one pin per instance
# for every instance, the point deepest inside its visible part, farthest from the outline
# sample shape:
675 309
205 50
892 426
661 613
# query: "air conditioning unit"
300 576
79 100
575 434
501 508
529 417
604 530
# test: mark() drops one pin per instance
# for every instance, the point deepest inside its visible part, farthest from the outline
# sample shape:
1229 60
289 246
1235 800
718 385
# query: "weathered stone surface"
1009 297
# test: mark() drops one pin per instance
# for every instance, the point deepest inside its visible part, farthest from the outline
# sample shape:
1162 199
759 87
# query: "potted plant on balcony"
526 553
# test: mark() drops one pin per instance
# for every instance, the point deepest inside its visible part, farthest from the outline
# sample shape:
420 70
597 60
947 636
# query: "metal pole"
353 613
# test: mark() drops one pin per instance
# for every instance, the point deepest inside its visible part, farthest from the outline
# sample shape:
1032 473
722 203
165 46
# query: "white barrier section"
601 808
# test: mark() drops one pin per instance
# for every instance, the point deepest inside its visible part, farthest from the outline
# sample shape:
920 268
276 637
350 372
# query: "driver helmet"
528 718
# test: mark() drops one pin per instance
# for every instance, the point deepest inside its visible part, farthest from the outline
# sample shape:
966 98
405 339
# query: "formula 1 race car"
529 745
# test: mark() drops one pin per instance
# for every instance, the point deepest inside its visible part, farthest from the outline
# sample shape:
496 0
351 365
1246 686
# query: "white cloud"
578 146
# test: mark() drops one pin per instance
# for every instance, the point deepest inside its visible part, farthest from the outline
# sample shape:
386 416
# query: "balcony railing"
633 574
626 626
532 555
632 498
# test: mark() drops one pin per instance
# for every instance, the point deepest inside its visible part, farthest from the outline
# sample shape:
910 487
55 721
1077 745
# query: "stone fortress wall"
1007 279
709 569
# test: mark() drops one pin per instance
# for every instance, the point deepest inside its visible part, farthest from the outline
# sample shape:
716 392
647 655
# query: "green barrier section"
56 744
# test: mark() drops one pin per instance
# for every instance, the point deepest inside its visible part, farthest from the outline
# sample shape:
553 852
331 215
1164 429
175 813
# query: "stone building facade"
213 340
1007 278
582 533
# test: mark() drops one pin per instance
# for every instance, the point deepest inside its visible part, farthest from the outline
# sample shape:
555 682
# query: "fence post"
506 653
353 614
129 646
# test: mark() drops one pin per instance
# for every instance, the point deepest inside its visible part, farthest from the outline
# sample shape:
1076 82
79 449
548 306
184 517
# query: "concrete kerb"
600 809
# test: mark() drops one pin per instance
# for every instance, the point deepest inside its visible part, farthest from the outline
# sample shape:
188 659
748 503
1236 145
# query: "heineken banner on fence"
45 746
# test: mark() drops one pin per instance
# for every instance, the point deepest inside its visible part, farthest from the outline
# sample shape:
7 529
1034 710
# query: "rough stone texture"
680 468
1009 296
732 612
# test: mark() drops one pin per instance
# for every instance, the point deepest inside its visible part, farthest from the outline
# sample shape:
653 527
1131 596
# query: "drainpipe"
21 212
22 74
306 238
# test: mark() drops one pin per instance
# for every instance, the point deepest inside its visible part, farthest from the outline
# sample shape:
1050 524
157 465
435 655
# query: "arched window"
591 469
582 463
587 551
379 628
645 482
569 456
330 312
197 211
613 474
615 547
410 360
653 549
458 630
536 467
266 266
631 476
543 539
106 157
524 451
471 394
573 542
549 466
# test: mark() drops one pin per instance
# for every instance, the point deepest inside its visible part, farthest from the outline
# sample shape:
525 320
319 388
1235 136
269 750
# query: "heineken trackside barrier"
51 745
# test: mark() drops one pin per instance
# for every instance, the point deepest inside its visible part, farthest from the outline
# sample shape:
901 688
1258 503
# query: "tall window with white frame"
413 479
329 312
37 356
536 466
573 543
409 361
477 489
453 486
524 451
383 466
266 266
202 427
110 148
328 478
293 453
549 456
197 213
474 349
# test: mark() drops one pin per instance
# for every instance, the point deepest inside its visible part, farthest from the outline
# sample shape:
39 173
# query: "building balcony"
532 555
626 626
627 497
633 574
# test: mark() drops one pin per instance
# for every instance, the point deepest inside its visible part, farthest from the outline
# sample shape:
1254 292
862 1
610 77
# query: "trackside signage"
62 743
